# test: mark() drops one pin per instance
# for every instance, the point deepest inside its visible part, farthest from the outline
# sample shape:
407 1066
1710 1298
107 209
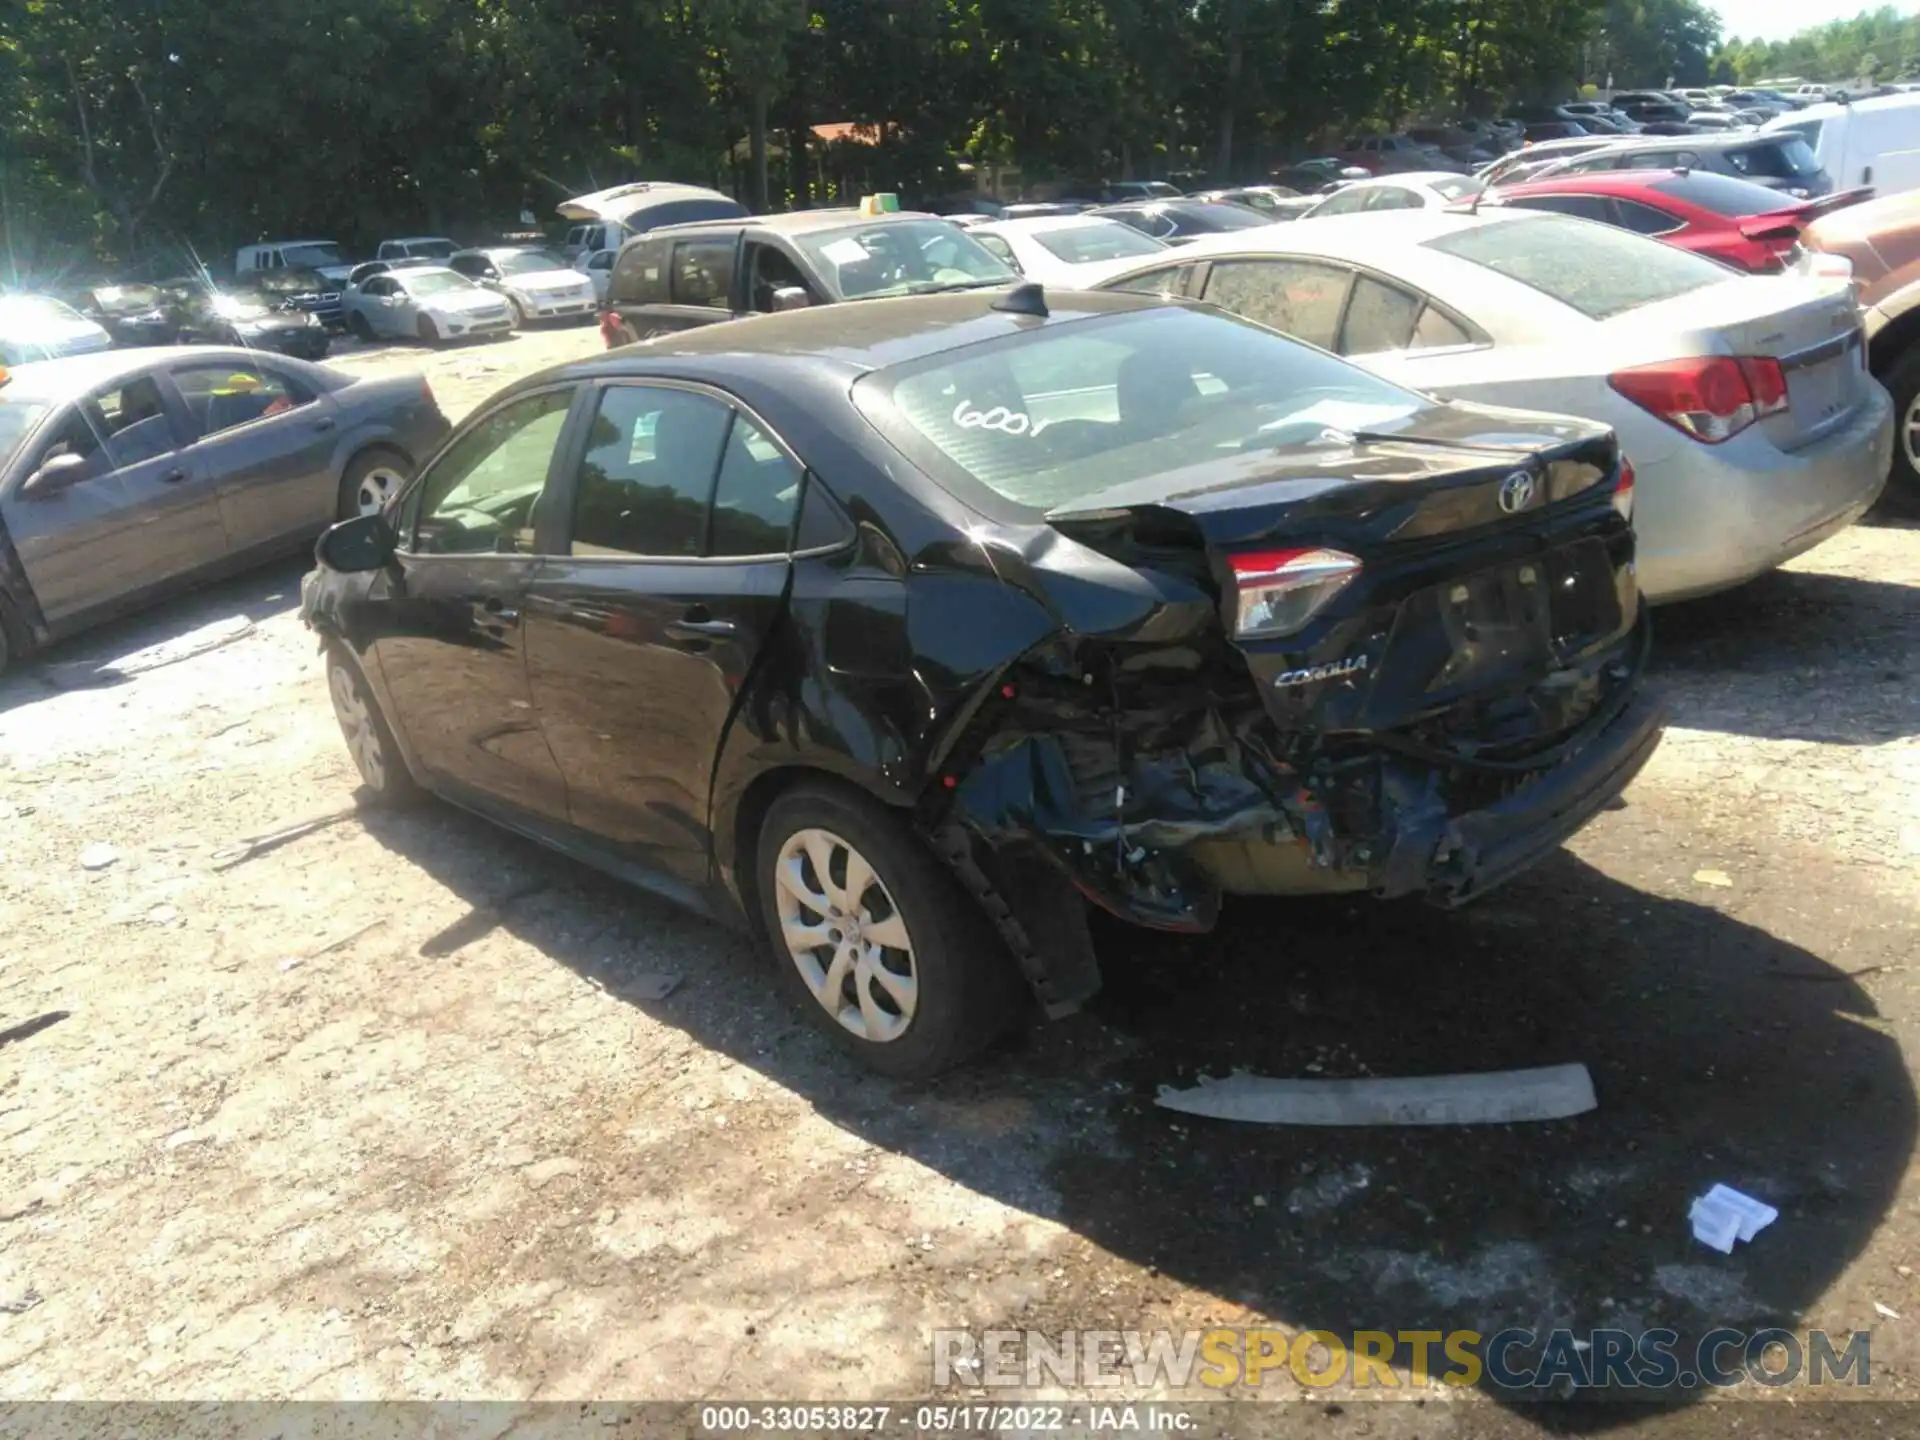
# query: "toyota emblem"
1516 492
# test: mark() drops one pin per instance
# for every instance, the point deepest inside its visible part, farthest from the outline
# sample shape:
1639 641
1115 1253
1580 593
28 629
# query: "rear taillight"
1710 397
1278 591
1623 490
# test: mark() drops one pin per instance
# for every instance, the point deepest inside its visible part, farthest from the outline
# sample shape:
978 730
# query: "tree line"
1878 45
131 126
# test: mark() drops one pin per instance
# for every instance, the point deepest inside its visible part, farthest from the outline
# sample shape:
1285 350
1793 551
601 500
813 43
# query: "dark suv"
1778 161
683 276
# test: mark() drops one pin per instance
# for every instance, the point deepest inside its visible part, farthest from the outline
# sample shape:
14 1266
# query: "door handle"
173 477
702 629
325 422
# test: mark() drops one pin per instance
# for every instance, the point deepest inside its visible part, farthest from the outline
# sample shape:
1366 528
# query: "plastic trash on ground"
1723 1215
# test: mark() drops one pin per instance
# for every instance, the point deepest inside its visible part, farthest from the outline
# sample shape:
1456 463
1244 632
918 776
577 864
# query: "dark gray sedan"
130 475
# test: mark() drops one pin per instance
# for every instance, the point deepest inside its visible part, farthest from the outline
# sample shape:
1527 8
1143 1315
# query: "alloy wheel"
845 935
376 488
1910 432
357 725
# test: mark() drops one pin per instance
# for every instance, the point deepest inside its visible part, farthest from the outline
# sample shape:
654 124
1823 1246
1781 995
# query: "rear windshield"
1722 194
126 299
1788 158
1595 269
1097 240
1060 413
1218 217
294 280
1456 187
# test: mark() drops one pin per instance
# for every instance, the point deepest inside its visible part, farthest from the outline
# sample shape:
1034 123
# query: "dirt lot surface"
388 1110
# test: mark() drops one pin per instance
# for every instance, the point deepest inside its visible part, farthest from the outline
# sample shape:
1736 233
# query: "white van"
1869 142
325 256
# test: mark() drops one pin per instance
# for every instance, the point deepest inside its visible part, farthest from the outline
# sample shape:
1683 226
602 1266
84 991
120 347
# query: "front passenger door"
138 514
641 639
450 643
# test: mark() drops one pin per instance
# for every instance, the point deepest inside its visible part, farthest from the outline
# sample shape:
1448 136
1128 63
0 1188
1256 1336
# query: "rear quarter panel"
397 412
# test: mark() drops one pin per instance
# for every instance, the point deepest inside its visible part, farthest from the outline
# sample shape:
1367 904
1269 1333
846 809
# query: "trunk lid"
1810 324
1492 563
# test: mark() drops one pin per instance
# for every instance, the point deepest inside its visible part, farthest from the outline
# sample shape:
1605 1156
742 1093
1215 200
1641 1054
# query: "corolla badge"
1516 492
1332 670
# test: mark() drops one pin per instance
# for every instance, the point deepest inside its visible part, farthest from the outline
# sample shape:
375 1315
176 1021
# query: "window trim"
542 540
1478 338
293 384
1325 262
46 432
732 279
581 419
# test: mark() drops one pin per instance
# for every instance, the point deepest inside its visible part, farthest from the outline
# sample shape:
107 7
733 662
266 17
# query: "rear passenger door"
1301 298
642 632
265 439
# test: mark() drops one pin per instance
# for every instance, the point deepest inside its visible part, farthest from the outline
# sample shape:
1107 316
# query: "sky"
1777 19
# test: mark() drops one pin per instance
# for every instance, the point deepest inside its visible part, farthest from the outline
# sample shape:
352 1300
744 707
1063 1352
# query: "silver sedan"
428 303
1742 400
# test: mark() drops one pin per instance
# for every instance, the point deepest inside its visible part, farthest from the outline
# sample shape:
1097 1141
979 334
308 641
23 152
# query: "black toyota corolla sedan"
902 632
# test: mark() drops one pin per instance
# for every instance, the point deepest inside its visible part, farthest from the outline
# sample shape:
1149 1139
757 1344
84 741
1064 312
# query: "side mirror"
363 543
60 472
791 297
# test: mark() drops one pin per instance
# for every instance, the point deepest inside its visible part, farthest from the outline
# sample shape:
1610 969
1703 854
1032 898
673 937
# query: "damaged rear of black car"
1117 602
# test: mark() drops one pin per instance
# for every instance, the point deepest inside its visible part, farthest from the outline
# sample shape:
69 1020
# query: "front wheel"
383 773
428 331
874 938
1902 379
357 323
519 313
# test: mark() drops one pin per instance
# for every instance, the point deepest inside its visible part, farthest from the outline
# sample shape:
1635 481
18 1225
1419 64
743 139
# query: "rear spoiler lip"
1787 222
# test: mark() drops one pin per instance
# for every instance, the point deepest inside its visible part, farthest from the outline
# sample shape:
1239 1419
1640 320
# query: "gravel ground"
391 1111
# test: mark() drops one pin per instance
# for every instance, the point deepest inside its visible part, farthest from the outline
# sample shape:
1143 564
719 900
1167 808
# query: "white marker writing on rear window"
1011 422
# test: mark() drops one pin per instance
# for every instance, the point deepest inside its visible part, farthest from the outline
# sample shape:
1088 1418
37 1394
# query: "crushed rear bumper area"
1472 853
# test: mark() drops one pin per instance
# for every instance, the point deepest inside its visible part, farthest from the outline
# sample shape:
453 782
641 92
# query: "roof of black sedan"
863 335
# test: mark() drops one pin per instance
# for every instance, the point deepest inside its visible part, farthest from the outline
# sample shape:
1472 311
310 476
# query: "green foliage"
138 128
1877 45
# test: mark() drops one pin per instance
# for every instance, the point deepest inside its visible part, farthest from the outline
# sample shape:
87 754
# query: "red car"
1732 220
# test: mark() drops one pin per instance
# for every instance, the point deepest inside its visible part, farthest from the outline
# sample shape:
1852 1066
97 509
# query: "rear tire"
357 323
384 778
904 971
370 480
1902 379
14 642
